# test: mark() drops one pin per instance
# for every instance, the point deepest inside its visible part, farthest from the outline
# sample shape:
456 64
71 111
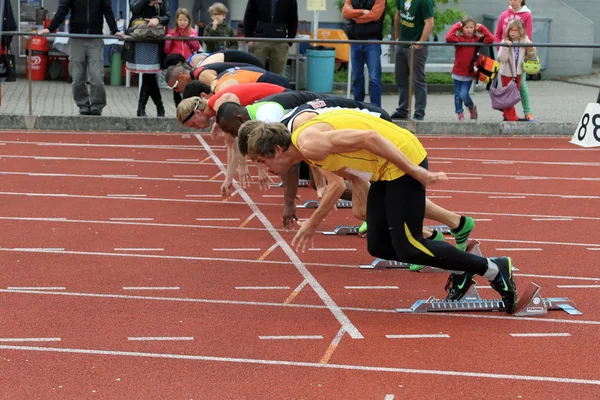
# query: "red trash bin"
39 58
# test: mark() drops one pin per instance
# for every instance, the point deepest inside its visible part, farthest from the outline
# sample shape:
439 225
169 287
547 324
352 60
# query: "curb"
134 124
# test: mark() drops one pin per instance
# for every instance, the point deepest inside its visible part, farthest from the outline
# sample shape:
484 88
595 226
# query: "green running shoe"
437 235
363 228
462 236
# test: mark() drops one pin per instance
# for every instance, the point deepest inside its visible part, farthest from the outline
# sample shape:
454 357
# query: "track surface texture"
125 276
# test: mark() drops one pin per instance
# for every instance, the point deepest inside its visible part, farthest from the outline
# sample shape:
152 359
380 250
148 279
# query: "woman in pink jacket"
517 10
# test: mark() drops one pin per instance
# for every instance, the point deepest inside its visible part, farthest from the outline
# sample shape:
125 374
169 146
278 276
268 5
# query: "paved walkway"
554 102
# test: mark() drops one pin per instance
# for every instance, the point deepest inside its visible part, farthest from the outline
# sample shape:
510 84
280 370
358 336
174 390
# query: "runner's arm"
335 188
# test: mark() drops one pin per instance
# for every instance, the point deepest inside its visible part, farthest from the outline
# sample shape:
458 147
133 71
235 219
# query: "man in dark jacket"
86 55
271 19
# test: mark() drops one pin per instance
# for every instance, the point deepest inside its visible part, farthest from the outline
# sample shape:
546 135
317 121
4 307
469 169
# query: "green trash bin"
320 69
116 66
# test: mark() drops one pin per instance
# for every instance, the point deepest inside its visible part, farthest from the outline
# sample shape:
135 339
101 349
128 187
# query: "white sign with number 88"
587 133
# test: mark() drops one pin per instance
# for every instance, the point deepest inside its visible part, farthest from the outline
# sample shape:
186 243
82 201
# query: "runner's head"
177 76
231 116
190 113
267 145
197 59
196 89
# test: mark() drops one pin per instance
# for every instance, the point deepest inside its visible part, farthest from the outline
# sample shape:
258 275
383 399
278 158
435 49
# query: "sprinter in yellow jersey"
351 143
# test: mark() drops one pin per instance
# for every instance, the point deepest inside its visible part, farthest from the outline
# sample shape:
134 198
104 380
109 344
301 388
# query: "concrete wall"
589 8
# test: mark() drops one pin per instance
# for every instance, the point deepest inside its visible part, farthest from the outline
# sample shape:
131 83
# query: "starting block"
301 183
344 231
315 204
445 229
530 304
379 263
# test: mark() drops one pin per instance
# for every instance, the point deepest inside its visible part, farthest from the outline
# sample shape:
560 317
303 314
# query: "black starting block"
301 183
344 231
530 304
315 204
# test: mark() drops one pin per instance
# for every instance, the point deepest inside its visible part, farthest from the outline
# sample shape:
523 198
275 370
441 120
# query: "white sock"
492 271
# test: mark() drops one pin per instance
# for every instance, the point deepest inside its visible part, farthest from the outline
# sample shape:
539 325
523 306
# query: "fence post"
30 80
410 80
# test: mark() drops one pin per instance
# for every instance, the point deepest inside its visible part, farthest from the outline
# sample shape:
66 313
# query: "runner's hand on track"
304 237
264 180
289 216
244 175
226 189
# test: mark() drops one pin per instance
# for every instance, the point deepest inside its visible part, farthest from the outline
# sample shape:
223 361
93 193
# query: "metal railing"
313 42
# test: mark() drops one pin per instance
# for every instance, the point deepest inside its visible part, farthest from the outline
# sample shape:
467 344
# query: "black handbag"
8 72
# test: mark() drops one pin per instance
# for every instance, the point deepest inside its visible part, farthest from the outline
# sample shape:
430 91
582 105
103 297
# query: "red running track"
121 279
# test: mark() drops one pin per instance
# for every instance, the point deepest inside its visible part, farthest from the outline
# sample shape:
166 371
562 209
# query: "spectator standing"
86 56
183 28
218 27
518 10
271 19
146 57
413 23
201 14
465 31
365 22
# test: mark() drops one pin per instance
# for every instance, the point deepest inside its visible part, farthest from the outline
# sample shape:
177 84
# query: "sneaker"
418 117
95 111
84 111
461 116
473 112
438 236
362 230
458 285
529 117
397 115
462 236
504 283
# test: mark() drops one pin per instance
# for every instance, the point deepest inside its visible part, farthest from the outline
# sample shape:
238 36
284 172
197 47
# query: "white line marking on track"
238 249
551 219
217 219
579 197
484 161
30 339
203 195
118 176
36 288
184 159
332 249
262 287
40 249
137 249
593 248
312 281
125 146
279 363
568 178
439 197
466 192
133 177
126 195
540 334
389 397
151 287
273 195
162 338
420 336
578 286
466 178
506 197
518 249
132 219
371 287
298 337
482 219
531 178
190 176
131 160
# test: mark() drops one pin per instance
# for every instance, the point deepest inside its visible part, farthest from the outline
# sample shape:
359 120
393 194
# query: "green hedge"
440 78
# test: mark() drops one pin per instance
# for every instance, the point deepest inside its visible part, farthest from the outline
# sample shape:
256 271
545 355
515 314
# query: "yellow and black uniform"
396 201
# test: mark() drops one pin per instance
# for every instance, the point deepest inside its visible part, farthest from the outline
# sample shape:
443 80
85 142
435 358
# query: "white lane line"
124 146
164 338
279 363
237 249
579 197
440 197
578 286
151 287
137 249
371 287
540 334
551 219
273 195
506 197
482 219
106 176
36 288
593 248
542 178
41 339
466 178
531 178
332 249
203 195
572 163
184 159
312 281
132 219
42 249
190 176
262 287
466 192
217 219
299 337
420 336
518 249
126 195
389 397
118 176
